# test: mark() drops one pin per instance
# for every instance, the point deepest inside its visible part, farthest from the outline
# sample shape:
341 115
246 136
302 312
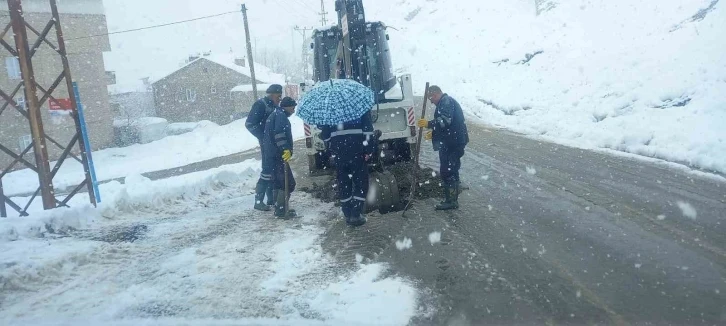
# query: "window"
191 95
214 90
13 66
24 142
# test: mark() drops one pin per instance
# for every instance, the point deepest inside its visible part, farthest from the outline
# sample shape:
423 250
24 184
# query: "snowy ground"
188 251
643 77
206 142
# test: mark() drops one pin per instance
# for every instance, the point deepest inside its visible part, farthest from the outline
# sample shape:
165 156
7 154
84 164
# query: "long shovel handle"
287 188
414 183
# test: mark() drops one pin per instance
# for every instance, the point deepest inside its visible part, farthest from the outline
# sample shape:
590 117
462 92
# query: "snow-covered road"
203 259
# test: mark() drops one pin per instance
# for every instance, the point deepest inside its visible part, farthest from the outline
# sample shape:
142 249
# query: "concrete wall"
200 78
87 68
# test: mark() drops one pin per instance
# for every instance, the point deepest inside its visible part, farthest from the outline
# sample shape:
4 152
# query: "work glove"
286 155
429 135
422 123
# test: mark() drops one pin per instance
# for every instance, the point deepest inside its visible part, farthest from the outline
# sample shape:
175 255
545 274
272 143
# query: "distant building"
202 89
79 18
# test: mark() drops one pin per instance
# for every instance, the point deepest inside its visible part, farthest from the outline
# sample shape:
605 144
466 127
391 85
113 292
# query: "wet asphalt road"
549 234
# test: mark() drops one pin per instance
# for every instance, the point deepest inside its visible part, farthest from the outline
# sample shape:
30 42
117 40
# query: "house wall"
87 68
245 100
187 96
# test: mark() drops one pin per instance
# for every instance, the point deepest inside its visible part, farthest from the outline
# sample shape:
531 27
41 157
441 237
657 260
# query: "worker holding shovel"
277 143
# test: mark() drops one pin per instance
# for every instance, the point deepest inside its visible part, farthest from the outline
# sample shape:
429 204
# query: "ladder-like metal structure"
36 96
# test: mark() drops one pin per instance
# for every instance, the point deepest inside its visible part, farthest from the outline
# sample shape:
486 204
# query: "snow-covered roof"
262 74
248 88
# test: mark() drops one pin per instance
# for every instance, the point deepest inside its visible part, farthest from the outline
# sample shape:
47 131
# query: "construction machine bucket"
383 193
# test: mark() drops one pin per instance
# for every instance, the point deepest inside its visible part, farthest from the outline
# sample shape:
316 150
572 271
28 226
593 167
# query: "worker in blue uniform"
277 151
449 136
352 144
256 120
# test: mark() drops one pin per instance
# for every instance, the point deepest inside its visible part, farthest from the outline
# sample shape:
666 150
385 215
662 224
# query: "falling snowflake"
687 209
434 237
490 207
661 217
638 265
531 170
406 243
578 294
485 177
358 258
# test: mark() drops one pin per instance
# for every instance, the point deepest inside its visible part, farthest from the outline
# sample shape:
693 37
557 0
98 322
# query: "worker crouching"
277 151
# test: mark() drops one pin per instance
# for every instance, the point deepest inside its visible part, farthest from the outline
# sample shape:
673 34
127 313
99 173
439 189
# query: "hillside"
646 77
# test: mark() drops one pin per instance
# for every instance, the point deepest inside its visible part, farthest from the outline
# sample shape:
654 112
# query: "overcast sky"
143 53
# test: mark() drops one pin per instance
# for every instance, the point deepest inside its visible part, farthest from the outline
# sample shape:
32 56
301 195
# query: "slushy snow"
187 250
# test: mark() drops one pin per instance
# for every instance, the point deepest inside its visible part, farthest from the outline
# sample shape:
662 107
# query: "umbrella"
334 102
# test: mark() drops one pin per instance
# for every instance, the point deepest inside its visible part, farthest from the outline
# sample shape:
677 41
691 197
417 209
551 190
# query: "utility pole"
250 60
304 31
323 19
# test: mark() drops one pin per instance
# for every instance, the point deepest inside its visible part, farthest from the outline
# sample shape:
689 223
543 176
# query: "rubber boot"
455 192
452 198
346 208
447 198
356 216
280 207
270 196
260 190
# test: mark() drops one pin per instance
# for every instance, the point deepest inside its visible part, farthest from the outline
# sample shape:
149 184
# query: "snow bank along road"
552 234
189 251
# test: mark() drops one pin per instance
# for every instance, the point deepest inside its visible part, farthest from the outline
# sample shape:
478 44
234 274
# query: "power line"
154 26
289 3
306 6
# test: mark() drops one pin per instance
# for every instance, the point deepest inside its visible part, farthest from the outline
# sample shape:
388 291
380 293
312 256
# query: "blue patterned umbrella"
334 102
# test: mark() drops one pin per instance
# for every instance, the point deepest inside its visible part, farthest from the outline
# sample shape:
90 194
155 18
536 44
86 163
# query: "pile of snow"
139 130
178 128
644 77
206 142
137 192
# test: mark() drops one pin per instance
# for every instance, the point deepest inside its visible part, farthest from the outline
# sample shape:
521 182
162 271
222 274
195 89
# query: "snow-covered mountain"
645 77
